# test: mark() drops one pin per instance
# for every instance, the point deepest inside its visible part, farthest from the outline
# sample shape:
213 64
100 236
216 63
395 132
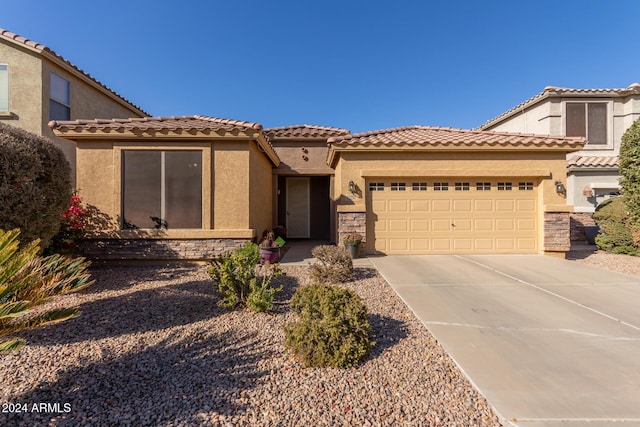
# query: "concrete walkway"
549 342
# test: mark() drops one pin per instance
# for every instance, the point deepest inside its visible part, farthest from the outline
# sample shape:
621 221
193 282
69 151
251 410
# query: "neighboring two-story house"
37 85
600 115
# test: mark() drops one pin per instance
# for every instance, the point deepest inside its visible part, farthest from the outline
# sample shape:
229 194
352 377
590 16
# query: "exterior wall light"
560 188
352 187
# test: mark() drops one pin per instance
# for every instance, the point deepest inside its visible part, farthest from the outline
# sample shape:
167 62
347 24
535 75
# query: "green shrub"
333 329
616 227
35 184
238 283
334 264
28 280
630 169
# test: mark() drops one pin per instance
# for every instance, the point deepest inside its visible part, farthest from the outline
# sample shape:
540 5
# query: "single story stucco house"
190 187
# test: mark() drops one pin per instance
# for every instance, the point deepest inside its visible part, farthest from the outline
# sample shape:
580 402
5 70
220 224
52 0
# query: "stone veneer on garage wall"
157 249
579 220
556 232
352 222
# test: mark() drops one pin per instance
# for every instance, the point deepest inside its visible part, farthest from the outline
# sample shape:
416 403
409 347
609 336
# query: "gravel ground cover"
151 347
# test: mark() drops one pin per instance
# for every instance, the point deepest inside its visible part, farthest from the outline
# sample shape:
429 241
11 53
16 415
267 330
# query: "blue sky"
361 65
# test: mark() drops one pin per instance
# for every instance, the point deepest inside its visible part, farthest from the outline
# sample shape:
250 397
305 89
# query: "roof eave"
56 59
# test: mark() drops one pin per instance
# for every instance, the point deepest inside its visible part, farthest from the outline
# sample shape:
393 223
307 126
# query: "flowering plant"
72 228
352 239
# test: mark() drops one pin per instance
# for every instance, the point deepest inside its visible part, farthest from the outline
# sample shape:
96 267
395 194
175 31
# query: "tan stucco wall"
542 167
29 84
227 210
261 190
25 87
292 154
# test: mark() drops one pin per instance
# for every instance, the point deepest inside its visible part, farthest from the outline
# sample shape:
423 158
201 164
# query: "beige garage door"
426 216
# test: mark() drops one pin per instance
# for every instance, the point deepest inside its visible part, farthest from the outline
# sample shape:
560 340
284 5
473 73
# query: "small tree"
630 170
28 280
35 184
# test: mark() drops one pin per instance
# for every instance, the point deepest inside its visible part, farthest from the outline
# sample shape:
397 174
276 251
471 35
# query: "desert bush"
333 265
241 282
616 227
333 329
35 184
630 170
28 281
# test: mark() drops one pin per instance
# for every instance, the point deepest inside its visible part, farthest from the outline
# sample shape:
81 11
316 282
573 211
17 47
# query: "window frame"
55 100
205 174
7 111
398 186
376 186
608 120
419 186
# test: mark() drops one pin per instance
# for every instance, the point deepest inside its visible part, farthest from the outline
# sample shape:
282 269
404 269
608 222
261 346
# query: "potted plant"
269 248
352 242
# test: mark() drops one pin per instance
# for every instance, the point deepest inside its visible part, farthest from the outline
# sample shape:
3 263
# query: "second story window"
59 99
588 119
4 88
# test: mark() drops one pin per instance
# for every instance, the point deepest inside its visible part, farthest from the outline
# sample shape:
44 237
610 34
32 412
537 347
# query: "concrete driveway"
547 341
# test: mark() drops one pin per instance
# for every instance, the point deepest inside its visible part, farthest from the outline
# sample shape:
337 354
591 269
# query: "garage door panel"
399 206
441 205
483 244
462 245
483 205
379 206
398 244
526 224
419 225
505 205
463 225
398 225
462 205
527 244
420 245
505 244
441 244
503 224
419 205
483 224
526 205
465 221
441 225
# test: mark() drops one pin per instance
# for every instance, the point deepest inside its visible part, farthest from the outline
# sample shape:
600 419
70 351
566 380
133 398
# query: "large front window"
161 189
588 119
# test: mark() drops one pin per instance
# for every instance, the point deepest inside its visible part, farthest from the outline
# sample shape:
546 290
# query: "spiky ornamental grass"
28 280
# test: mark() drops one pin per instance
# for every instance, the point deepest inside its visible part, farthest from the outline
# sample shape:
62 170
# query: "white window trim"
7 112
609 103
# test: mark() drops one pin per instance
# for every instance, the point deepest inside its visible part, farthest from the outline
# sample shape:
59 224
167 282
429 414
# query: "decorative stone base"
556 232
157 249
352 222
579 220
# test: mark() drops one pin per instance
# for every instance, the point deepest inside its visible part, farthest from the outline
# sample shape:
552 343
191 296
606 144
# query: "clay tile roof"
304 131
593 162
552 91
449 137
181 123
44 50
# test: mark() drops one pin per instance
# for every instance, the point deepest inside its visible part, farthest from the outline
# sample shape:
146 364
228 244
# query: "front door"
298 207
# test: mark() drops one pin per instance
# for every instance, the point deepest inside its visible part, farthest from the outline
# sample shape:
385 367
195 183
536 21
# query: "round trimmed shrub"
333 330
615 223
35 184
